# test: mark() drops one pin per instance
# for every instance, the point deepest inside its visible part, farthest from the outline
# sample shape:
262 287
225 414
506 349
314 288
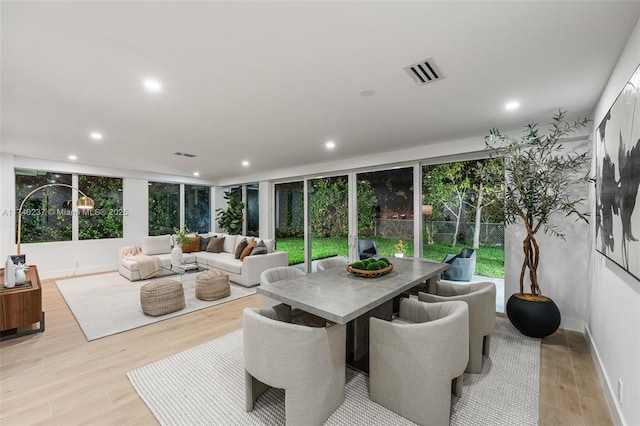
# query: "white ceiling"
271 82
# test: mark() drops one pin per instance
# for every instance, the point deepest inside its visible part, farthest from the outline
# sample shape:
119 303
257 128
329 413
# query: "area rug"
205 385
107 304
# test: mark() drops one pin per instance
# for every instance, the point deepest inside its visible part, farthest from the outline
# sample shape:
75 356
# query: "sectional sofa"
245 271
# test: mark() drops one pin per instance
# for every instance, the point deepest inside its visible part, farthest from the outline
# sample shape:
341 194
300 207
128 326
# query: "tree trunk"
530 262
476 227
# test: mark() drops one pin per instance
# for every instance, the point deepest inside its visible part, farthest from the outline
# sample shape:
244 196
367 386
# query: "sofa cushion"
242 244
269 244
247 250
159 244
191 245
204 242
215 245
223 261
229 244
260 248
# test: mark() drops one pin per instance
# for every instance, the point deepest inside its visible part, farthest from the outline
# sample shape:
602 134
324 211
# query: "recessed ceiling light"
330 144
72 157
367 92
196 173
96 136
245 163
510 106
152 85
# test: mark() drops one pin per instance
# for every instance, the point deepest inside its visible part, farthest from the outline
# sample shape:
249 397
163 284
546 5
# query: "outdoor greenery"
230 219
46 215
197 208
541 179
106 218
489 259
164 207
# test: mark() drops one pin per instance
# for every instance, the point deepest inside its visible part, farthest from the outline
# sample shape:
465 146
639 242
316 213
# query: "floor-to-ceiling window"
385 209
197 208
329 217
164 207
289 219
253 210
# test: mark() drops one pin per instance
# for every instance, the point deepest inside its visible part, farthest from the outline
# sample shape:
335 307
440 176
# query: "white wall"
614 296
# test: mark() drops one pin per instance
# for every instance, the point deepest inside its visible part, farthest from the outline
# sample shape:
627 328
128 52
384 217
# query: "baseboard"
609 394
68 273
572 324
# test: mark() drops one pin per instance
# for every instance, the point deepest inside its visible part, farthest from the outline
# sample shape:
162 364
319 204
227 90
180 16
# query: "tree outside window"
197 208
164 207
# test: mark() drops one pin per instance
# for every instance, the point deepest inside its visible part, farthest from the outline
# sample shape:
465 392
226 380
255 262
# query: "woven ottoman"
212 285
161 297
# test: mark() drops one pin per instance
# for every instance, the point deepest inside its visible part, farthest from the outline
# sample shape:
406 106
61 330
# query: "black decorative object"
618 180
533 318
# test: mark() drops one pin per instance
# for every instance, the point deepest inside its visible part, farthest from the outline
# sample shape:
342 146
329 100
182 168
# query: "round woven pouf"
161 297
212 285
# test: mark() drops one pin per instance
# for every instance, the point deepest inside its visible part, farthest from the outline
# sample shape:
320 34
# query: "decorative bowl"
369 274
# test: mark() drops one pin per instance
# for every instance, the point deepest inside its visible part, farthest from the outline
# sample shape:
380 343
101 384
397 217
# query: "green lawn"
490 259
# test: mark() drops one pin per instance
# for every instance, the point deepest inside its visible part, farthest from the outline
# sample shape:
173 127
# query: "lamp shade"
85 203
427 209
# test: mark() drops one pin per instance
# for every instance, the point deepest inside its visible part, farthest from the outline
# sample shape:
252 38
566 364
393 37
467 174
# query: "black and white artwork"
618 180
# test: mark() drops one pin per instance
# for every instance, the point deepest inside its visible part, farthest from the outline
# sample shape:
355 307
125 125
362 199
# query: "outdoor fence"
490 233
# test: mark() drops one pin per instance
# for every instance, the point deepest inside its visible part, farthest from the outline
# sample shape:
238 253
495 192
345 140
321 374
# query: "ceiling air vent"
424 72
184 154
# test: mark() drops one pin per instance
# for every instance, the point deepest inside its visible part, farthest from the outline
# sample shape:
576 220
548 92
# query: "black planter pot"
533 318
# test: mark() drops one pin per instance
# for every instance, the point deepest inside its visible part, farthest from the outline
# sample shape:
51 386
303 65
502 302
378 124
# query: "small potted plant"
181 236
399 249
541 179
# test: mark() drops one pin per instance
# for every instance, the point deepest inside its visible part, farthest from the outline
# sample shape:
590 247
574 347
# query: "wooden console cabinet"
20 307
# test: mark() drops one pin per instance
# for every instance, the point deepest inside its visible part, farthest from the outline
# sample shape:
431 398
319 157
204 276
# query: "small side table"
21 306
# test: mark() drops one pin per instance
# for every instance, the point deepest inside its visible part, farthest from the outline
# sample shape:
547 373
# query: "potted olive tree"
541 179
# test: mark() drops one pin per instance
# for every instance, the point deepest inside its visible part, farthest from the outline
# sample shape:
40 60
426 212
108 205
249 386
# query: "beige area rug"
204 385
107 304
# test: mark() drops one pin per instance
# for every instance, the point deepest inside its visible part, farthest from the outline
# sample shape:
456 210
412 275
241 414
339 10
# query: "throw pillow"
247 250
191 245
241 246
160 244
215 245
204 242
260 248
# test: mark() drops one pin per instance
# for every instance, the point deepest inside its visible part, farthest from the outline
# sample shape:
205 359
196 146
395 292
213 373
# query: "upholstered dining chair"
277 274
481 298
415 359
331 262
307 362
462 265
367 249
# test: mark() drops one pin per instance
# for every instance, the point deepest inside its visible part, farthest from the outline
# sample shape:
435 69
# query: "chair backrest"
466 252
332 262
279 273
367 249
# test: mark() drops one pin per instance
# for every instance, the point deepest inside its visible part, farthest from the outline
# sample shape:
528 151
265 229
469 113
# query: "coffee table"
181 271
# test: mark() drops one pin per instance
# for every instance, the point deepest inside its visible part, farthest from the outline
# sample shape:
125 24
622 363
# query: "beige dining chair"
273 275
416 360
481 298
331 262
307 362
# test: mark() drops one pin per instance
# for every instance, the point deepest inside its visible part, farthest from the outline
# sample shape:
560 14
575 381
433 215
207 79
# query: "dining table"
341 297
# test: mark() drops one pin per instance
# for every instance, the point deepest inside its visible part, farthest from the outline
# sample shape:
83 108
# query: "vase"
533 318
399 254
20 276
176 256
9 273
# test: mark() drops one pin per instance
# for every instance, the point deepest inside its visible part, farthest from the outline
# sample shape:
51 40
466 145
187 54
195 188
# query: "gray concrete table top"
338 296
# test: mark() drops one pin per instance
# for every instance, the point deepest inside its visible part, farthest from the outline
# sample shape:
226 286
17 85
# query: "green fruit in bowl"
374 266
359 265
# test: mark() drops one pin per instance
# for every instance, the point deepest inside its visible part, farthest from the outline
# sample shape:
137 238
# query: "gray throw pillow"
240 247
215 245
204 242
259 249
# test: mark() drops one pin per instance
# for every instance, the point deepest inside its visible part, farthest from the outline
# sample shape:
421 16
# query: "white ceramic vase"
20 276
176 256
399 254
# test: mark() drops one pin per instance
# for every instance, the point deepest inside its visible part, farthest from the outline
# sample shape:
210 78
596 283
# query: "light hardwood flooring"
58 378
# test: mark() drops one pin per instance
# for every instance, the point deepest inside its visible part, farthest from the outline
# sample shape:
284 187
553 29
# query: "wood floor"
58 378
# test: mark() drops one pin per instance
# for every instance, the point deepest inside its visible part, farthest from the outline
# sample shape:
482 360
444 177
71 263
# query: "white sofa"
245 272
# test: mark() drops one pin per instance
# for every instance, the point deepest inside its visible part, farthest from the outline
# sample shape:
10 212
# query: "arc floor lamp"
84 203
